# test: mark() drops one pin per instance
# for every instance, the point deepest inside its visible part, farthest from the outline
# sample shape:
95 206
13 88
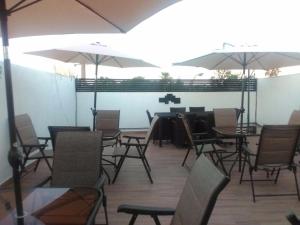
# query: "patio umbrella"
244 58
96 54
45 17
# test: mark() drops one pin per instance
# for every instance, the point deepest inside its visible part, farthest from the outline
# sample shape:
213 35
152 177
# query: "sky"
185 30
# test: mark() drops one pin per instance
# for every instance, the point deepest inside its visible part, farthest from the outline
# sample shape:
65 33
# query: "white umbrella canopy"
244 58
94 53
45 17
88 53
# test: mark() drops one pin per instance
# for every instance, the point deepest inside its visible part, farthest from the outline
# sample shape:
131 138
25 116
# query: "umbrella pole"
94 110
248 101
243 90
13 155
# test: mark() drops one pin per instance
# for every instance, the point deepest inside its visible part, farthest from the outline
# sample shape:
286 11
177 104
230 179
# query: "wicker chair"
197 199
135 147
275 151
200 142
32 148
70 168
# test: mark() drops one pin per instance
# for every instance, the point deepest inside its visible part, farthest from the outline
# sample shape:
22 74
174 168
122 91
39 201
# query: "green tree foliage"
272 72
225 74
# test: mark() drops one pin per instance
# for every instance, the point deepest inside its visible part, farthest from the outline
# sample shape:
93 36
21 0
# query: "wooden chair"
31 144
197 199
77 162
135 147
275 152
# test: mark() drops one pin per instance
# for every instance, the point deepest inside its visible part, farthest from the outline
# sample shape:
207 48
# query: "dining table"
57 206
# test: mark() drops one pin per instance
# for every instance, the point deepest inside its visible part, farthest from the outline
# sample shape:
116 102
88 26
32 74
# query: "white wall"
277 97
49 100
133 105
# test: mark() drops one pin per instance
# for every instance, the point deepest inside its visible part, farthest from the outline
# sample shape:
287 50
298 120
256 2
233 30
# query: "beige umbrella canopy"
243 58
45 17
96 54
20 18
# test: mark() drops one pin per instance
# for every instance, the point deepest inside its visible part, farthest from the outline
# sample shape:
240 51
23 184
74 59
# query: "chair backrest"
149 116
197 109
177 109
53 130
200 193
277 145
107 119
295 118
77 159
153 124
225 117
25 130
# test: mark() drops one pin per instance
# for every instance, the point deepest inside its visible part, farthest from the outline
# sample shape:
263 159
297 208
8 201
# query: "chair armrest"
146 210
205 141
133 137
45 139
132 144
35 146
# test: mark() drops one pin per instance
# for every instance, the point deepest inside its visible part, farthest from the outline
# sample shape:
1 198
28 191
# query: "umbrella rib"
220 62
289 56
114 59
98 14
89 57
15 8
257 60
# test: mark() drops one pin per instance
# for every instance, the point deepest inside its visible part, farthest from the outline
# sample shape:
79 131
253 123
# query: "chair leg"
132 220
147 163
219 160
243 170
296 181
252 184
120 163
185 157
156 220
147 171
105 208
36 165
277 175
106 174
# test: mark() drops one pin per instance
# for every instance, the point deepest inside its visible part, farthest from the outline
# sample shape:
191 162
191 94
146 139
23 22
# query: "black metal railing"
160 85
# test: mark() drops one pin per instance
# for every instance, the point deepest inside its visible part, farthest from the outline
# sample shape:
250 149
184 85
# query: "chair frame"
141 148
270 168
154 212
200 139
29 148
99 184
